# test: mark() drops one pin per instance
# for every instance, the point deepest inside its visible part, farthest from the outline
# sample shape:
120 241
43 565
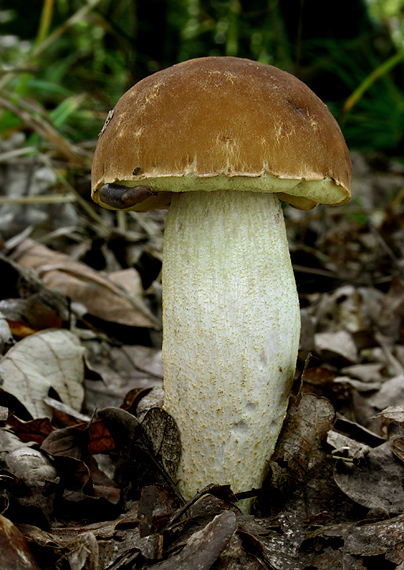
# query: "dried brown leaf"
100 439
83 552
204 546
398 448
301 472
163 435
44 360
117 299
15 551
395 413
337 345
381 537
33 430
305 429
375 480
67 442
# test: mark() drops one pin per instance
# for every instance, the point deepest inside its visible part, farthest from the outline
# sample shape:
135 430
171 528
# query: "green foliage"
372 117
75 58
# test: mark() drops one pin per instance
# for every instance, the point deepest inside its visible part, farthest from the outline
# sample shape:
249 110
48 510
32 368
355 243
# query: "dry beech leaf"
337 344
395 413
83 552
374 480
301 474
14 548
356 546
305 428
391 392
44 360
378 538
115 298
367 373
204 546
345 446
32 466
163 436
32 430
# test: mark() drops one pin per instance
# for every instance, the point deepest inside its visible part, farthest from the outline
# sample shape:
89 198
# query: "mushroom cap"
222 123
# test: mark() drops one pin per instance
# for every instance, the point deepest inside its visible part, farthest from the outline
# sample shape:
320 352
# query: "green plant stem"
370 79
45 22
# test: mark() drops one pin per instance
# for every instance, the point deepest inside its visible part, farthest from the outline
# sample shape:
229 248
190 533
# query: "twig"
43 199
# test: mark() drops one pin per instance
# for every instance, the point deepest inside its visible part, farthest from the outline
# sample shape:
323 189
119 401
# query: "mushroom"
220 141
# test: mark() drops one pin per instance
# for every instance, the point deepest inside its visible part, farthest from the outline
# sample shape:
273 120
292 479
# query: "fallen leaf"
398 448
392 310
32 430
32 466
6 338
391 392
83 552
357 546
162 434
238 555
301 472
368 372
14 548
26 303
68 442
306 426
338 344
204 546
44 360
375 480
100 440
395 413
31 312
381 537
117 299
35 480
345 447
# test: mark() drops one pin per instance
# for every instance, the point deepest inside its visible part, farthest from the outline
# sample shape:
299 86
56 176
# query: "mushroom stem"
231 331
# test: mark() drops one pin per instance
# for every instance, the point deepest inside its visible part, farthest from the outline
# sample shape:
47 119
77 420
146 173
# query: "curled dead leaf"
116 298
44 360
14 548
374 480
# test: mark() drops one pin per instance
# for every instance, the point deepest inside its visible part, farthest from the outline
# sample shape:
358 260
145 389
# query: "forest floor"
86 451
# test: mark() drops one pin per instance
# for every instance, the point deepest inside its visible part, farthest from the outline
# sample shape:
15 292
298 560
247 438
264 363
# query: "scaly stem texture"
231 330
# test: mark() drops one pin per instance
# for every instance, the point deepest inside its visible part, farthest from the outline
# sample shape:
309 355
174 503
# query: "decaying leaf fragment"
371 477
301 481
116 298
357 546
204 546
395 413
163 436
14 548
44 360
305 428
148 450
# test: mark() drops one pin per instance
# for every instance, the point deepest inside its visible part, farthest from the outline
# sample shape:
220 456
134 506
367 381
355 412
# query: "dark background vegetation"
77 71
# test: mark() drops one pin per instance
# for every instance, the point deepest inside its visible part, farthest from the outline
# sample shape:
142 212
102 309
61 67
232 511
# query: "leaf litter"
87 455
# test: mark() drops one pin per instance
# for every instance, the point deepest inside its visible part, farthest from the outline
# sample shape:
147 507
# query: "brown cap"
218 123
